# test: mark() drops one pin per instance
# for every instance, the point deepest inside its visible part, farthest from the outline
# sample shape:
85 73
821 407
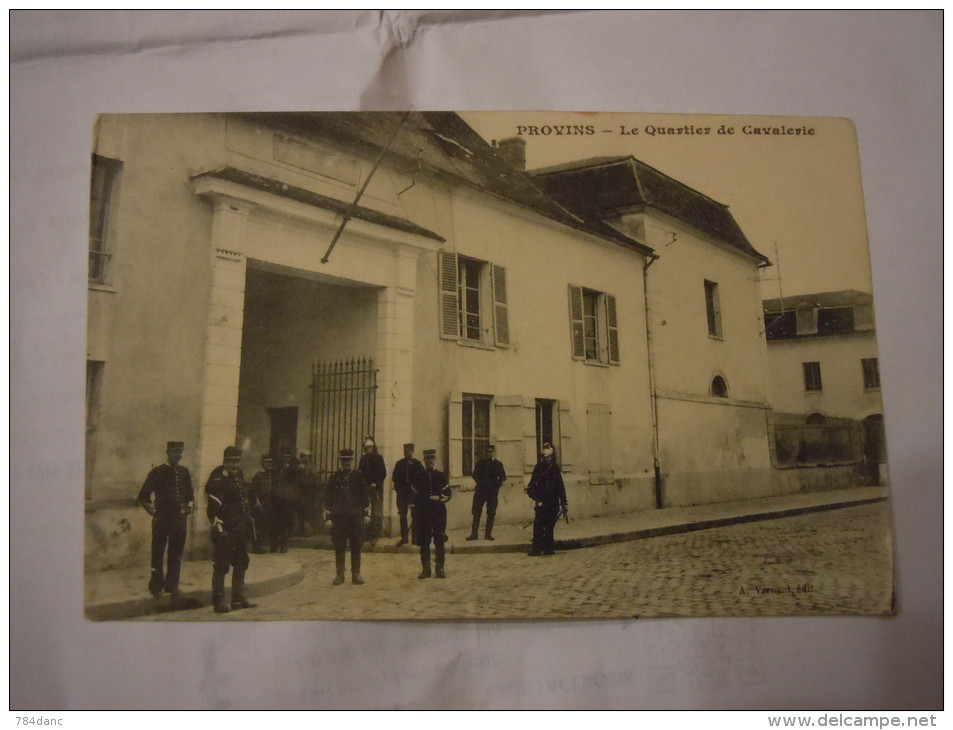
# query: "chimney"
513 150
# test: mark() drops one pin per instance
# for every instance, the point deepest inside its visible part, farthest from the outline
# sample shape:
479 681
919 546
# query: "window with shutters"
594 328
545 423
473 301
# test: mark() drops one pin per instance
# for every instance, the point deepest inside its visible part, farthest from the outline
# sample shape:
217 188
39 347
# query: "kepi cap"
430 452
233 452
346 453
174 445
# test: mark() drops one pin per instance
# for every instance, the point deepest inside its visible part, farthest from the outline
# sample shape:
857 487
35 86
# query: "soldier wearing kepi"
372 467
229 511
262 510
431 494
167 495
346 504
547 490
489 476
405 472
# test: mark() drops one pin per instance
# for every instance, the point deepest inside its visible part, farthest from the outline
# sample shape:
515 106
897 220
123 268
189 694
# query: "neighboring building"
825 383
460 305
705 335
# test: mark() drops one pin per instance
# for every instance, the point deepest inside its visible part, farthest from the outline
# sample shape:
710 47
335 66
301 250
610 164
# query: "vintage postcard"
488 365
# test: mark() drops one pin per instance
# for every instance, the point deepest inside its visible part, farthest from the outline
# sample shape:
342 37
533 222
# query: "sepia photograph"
412 365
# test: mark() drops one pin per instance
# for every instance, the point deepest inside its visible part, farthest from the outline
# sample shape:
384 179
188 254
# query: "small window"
780 325
476 429
812 376
871 372
105 173
713 309
719 388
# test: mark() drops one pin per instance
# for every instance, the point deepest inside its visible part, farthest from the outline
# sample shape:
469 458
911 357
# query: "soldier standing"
229 511
374 471
283 500
489 476
405 472
167 495
346 502
261 493
431 494
308 494
547 490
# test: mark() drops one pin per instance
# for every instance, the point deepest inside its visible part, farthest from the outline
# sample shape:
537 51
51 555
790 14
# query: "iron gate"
342 410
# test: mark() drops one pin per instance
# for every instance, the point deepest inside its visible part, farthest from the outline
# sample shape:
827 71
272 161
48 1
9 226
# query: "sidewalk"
115 594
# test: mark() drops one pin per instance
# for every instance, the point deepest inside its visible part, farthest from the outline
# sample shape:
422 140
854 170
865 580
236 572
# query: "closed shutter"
449 299
501 317
612 326
577 331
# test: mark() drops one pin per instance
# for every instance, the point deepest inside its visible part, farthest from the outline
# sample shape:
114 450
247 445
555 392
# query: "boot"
425 562
339 567
356 579
488 535
156 582
475 530
218 593
440 557
238 592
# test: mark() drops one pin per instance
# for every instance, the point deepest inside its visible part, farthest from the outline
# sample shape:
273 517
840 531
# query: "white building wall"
843 394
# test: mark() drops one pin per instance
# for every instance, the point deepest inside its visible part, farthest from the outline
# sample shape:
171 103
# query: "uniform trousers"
168 531
347 529
547 513
229 550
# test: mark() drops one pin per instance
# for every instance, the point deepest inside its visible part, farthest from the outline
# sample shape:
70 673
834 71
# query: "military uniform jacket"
228 499
262 485
169 488
489 474
431 482
347 494
546 484
373 468
405 472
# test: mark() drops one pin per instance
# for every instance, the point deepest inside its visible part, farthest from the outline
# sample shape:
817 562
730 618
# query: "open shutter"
501 317
575 323
449 298
612 326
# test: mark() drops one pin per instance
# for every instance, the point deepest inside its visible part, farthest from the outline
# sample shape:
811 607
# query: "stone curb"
198 598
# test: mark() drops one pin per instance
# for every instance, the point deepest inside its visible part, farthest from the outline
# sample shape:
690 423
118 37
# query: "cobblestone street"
834 562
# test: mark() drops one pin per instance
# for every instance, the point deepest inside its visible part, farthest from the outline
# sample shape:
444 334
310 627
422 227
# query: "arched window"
816 419
719 388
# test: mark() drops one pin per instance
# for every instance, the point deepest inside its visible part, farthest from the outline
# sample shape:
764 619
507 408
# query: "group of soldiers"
263 511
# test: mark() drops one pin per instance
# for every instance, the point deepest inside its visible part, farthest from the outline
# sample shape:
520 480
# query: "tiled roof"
822 300
605 187
442 143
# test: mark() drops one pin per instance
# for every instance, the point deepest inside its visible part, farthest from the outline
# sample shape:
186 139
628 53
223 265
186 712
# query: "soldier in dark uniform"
283 500
489 475
262 509
405 472
431 494
346 502
375 472
229 511
167 495
547 490
309 494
